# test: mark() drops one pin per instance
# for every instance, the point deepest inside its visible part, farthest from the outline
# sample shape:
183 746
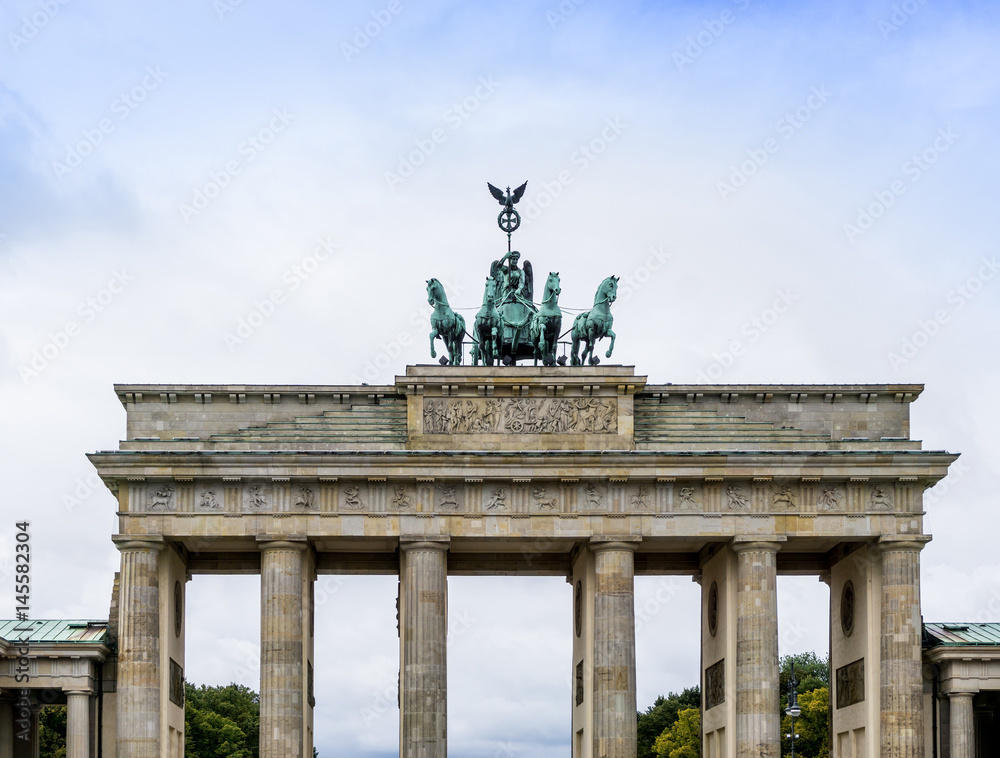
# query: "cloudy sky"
241 191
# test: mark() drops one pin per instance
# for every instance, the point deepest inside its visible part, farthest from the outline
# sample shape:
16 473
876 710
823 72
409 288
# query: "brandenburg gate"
583 471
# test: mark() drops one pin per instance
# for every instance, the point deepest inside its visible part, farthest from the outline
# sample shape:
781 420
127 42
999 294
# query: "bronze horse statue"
488 327
595 324
446 324
547 323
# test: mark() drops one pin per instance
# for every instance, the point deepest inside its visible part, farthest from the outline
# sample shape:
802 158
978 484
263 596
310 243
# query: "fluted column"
281 675
78 724
758 725
423 627
614 648
901 677
963 742
138 697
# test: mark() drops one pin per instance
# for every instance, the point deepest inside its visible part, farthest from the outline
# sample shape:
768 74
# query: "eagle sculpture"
507 200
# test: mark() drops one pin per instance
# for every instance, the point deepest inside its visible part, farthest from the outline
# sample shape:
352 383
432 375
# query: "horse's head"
490 293
552 284
608 291
435 292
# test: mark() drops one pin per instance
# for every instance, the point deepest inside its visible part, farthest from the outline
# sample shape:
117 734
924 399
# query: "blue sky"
716 155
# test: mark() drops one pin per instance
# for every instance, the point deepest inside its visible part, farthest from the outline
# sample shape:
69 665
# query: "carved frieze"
526 496
715 684
851 683
519 415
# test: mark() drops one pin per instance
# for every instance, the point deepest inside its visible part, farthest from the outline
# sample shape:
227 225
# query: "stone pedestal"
282 679
962 738
902 721
758 727
138 697
423 632
78 724
614 648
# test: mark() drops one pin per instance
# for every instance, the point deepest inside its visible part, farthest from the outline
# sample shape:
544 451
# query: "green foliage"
661 715
683 738
52 732
811 670
812 726
221 722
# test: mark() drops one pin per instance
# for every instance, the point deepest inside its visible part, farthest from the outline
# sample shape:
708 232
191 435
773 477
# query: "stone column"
281 676
78 724
963 738
614 648
29 748
902 686
423 632
138 697
758 725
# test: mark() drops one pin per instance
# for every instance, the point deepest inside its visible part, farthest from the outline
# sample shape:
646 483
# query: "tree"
683 739
811 671
52 732
221 722
661 715
812 726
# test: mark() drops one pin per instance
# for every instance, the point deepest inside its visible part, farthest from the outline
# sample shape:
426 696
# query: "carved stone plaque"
578 608
715 684
475 415
579 683
851 683
713 609
176 684
178 608
847 609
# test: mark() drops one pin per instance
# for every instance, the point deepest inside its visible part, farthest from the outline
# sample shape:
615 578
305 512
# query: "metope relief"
304 497
162 498
401 499
585 415
880 497
448 498
784 496
641 499
256 497
688 498
208 500
736 498
496 500
543 500
831 498
351 498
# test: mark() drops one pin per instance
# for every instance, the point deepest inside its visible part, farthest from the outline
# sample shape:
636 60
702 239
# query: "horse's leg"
434 335
611 334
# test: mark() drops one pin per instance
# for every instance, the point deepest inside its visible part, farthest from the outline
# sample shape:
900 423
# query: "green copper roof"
49 630
959 634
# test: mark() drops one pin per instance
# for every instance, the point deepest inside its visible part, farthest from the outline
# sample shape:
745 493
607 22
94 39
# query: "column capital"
627 542
282 542
954 695
151 542
88 693
424 542
758 544
913 543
